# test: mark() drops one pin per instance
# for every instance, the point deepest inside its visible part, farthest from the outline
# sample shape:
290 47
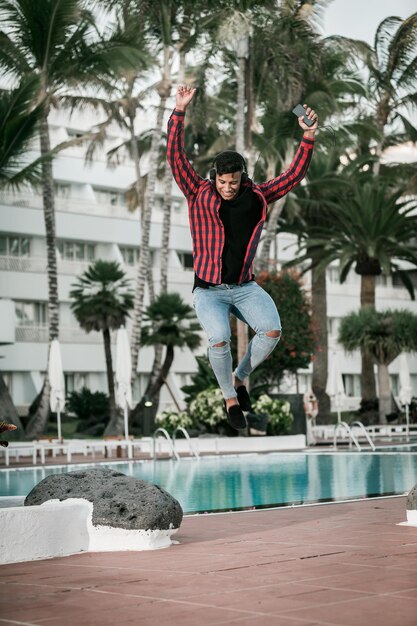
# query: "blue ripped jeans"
251 304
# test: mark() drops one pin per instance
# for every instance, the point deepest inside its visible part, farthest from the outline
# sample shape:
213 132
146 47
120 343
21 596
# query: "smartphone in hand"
299 110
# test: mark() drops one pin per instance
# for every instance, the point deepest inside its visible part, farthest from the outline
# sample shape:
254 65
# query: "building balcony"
39 265
32 333
179 217
7 317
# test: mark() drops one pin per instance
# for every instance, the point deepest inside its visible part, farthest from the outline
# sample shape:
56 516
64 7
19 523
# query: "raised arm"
282 184
185 175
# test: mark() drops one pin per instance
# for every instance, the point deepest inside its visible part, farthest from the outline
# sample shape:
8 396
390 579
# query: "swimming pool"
226 483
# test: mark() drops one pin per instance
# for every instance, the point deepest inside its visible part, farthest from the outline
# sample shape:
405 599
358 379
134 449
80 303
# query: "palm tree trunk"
39 420
319 317
368 387
242 329
384 392
137 413
166 228
164 90
115 423
153 389
144 252
136 163
8 412
250 109
270 233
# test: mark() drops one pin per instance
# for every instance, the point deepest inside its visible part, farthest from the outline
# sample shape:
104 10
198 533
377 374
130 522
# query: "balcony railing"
38 264
67 334
87 207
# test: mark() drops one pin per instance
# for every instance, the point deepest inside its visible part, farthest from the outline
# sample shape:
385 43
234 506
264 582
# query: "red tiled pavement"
346 564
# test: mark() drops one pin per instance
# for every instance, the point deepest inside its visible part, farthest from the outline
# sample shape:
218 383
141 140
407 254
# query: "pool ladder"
352 437
171 441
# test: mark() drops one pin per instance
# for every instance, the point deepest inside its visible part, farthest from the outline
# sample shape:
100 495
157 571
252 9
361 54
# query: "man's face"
228 185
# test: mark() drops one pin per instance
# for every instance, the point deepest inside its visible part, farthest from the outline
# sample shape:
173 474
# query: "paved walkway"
344 564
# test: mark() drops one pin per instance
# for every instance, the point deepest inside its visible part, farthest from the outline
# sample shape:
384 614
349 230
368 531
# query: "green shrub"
91 408
208 408
279 413
171 420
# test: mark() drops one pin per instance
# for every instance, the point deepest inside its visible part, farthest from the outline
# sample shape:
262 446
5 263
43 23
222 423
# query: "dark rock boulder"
118 501
411 504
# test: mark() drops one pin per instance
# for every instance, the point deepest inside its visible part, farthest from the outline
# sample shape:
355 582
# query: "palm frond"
19 119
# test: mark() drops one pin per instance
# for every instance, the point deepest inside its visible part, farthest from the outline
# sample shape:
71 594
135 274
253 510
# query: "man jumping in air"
227 212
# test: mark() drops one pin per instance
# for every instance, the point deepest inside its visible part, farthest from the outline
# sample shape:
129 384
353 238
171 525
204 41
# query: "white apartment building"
93 221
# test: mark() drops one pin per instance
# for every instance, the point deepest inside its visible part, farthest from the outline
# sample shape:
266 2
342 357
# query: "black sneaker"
243 398
235 417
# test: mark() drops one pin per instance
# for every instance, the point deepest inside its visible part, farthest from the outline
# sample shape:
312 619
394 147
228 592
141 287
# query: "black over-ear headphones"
213 170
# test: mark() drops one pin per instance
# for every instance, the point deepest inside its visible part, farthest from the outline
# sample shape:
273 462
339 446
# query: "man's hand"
184 95
309 130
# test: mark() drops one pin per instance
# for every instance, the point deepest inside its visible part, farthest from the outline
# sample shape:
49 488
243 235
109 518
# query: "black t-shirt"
239 217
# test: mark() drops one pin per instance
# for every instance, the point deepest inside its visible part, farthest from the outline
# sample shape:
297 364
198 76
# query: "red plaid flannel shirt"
204 202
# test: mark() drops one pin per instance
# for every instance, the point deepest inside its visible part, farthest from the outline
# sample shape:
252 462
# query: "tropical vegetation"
123 57
384 334
101 301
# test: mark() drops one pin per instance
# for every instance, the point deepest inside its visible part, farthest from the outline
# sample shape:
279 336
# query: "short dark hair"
228 162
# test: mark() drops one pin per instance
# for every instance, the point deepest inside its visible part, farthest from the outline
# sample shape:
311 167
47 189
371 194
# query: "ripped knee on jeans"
220 345
275 334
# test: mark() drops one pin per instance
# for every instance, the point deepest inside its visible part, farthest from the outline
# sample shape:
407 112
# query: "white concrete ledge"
412 517
224 445
61 528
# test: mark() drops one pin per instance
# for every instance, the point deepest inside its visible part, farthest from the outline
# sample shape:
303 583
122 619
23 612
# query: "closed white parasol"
335 387
123 373
57 382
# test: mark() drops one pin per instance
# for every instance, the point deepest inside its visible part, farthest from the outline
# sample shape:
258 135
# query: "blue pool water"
259 480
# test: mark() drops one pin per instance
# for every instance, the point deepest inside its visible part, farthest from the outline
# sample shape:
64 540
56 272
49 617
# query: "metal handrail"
168 438
193 451
365 432
349 432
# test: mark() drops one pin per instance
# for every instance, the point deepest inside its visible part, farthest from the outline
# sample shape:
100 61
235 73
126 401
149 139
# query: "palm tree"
57 41
169 321
384 335
392 84
19 119
102 301
372 230
307 210
392 65
172 27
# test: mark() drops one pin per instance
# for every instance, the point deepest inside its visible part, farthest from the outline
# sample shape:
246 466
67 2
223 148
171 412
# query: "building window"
109 196
14 246
76 250
333 324
130 255
31 313
333 274
62 190
75 381
395 386
352 383
186 259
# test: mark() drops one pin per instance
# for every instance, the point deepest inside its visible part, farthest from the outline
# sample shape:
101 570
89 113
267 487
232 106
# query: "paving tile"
276 599
381 610
375 581
283 566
